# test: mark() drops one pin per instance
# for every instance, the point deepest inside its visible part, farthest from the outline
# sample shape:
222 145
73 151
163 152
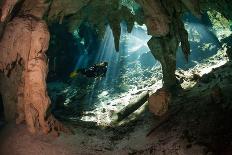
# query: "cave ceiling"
158 15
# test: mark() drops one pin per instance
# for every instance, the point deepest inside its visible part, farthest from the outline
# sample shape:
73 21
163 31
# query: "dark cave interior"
115 77
1 109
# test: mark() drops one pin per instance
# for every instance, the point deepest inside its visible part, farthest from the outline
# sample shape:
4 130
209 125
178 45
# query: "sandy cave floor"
194 125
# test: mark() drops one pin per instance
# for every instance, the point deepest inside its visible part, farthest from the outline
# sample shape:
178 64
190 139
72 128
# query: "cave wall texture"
24 43
25 40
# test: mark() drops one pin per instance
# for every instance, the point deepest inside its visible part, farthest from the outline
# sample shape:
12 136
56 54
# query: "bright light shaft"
137 39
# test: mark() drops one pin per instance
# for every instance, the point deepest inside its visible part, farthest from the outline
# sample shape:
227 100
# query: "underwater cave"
85 91
80 77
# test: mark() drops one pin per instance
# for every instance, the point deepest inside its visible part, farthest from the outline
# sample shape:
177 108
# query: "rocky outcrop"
23 46
156 18
57 10
9 92
8 8
35 8
27 39
159 102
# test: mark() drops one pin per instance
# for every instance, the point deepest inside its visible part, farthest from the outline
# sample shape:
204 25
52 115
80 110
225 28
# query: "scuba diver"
97 70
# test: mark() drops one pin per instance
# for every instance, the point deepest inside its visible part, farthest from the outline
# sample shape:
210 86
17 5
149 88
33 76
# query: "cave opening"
204 39
130 71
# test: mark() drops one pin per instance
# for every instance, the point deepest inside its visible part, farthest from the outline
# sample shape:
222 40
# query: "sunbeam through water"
126 72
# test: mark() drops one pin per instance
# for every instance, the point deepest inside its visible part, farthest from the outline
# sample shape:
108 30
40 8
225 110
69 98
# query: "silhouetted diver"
97 70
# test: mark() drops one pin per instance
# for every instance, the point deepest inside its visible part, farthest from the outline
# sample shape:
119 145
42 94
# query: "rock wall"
27 38
8 90
24 68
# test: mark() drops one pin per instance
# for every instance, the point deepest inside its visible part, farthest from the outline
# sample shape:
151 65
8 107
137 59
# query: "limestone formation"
7 8
159 102
28 40
156 19
24 43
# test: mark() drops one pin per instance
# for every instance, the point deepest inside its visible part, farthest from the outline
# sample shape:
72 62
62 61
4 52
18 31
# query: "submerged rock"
159 101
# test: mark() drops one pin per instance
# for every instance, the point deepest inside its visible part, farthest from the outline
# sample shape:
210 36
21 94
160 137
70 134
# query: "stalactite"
156 18
116 32
164 49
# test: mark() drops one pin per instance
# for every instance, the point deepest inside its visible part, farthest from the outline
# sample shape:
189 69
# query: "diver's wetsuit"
97 70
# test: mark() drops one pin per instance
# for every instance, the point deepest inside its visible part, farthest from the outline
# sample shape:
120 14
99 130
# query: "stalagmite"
164 50
159 101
